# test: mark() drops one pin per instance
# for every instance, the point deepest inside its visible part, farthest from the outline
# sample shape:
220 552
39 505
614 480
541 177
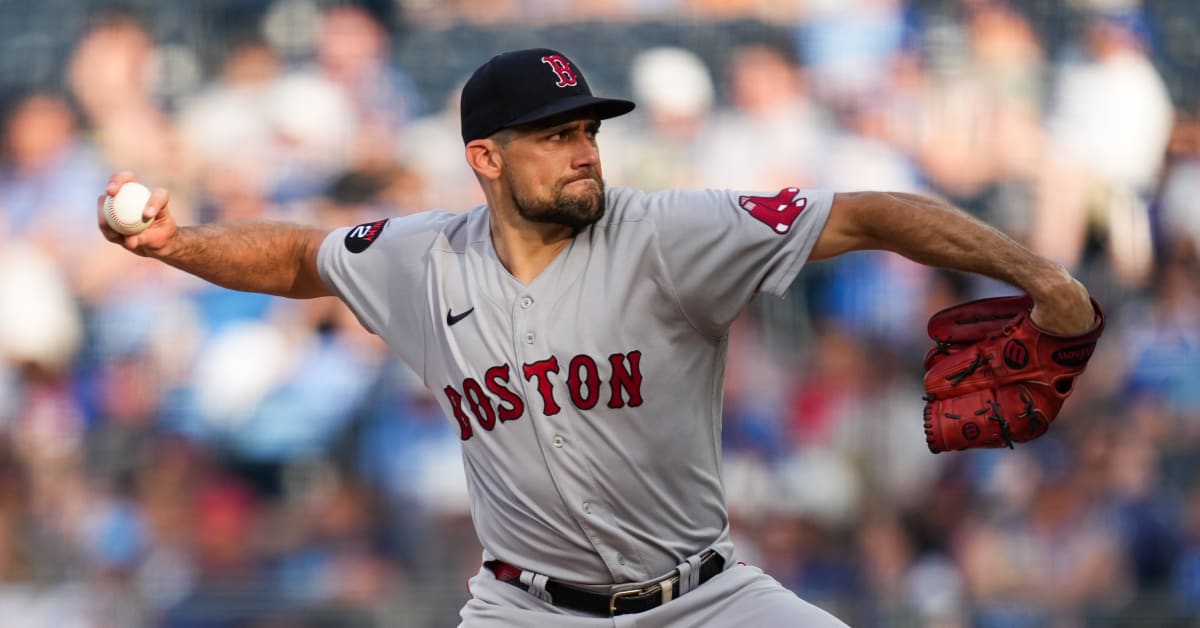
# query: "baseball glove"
994 377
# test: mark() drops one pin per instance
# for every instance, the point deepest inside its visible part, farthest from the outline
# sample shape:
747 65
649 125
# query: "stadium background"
172 454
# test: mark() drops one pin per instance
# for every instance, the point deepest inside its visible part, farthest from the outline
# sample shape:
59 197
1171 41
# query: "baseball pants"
741 595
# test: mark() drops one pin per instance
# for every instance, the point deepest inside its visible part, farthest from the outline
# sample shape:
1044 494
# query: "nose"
587 154
586 157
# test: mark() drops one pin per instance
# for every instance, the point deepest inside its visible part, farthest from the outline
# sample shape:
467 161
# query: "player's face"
553 173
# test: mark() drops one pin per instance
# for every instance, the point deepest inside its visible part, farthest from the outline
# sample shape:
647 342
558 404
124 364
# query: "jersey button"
587 507
558 441
529 337
620 559
526 302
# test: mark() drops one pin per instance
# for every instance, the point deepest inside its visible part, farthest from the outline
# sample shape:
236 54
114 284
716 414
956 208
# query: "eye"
556 136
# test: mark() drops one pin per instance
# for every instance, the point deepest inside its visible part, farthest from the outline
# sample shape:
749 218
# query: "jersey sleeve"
721 247
378 269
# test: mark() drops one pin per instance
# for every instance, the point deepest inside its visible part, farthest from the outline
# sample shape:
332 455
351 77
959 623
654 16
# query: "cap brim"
604 109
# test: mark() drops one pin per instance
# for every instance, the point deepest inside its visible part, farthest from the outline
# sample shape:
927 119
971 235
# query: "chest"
595 299
579 338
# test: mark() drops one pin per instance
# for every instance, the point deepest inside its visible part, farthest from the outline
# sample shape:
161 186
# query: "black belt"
619 603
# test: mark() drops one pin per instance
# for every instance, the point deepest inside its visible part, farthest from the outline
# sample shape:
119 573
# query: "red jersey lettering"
625 379
541 370
464 424
511 404
585 390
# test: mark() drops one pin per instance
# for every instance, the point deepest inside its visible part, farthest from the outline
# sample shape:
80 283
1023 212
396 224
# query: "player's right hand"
155 237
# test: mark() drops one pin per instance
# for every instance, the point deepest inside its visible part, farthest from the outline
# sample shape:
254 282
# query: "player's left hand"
997 376
1063 308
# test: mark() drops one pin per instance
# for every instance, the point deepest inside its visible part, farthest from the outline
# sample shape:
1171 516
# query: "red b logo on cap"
566 76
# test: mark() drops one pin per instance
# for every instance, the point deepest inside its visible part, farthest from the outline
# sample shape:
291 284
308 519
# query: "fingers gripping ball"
994 377
123 212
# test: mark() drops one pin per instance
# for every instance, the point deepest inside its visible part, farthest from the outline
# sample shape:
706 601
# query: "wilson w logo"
1016 356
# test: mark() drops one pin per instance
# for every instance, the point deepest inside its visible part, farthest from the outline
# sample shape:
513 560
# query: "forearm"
935 233
268 257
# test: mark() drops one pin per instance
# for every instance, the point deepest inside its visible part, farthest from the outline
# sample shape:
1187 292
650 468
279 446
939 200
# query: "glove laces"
943 345
994 409
956 378
1031 412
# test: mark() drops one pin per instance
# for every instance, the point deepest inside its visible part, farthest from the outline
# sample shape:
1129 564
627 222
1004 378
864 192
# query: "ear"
484 158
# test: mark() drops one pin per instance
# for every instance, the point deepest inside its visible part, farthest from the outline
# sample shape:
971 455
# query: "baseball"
123 212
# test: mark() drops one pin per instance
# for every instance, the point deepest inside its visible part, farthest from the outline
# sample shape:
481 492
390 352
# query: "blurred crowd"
174 454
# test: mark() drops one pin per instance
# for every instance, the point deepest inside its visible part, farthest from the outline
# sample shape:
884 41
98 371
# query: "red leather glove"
995 378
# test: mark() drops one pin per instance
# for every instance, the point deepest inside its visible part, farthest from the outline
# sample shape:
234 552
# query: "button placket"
525 322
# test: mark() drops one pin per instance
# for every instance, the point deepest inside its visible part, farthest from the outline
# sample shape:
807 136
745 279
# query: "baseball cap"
523 86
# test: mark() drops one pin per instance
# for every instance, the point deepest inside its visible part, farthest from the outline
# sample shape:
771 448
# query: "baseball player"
576 334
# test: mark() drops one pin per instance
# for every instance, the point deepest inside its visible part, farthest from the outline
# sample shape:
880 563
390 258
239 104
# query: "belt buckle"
612 601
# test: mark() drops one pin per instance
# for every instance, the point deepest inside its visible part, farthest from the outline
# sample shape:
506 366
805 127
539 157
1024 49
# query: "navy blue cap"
523 86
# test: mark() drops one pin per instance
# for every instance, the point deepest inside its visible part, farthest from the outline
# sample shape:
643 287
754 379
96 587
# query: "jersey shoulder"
402 240
459 231
428 230
630 205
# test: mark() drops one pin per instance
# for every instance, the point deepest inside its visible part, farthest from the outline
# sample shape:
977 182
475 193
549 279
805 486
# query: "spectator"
849 46
980 136
661 145
1180 228
232 585
1109 125
431 149
353 51
45 179
111 76
1043 554
773 133
323 488
226 125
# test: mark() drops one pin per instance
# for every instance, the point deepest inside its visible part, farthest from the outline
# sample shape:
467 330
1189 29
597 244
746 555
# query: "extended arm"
269 257
934 233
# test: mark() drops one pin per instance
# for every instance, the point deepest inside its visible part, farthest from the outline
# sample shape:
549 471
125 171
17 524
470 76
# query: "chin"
594 208
568 206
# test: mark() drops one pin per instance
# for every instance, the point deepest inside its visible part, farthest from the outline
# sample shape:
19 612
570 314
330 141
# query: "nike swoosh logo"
452 318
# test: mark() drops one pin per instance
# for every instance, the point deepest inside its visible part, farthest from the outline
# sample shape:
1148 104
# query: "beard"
575 210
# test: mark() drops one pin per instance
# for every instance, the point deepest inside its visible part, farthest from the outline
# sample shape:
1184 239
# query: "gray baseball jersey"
589 400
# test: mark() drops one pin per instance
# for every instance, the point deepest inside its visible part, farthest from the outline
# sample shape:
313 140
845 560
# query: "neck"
525 248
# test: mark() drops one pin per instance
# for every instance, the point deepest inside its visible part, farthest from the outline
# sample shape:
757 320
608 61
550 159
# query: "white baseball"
123 212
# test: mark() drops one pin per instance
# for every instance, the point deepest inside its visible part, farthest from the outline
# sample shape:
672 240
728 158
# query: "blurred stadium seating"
177 455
